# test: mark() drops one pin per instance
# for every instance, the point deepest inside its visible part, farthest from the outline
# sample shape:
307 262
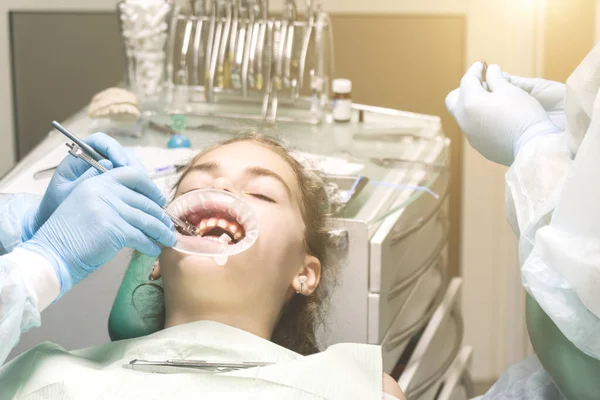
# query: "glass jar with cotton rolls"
145 31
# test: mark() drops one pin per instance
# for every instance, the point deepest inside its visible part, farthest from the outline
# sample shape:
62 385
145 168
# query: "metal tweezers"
202 366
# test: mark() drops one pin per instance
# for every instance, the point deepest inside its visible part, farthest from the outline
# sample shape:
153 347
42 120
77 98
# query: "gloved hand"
119 209
499 122
550 94
71 172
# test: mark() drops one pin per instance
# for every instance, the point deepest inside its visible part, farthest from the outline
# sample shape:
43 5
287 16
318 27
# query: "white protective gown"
26 279
553 204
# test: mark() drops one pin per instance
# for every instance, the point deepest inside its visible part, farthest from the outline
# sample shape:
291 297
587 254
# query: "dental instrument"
84 146
214 56
310 11
210 47
223 79
81 150
238 48
287 73
198 54
233 35
182 72
262 31
247 46
170 366
253 46
154 173
484 72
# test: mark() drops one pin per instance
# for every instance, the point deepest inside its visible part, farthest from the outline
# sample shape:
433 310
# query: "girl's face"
271 270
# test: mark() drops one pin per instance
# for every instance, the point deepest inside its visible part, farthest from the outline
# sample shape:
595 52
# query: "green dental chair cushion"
138 307
575 374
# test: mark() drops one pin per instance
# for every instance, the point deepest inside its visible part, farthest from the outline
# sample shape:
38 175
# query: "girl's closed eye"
262 197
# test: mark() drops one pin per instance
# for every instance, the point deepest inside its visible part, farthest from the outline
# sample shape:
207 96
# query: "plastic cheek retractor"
227 225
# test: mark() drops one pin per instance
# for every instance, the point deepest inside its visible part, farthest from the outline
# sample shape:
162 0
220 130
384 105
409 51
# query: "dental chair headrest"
138 309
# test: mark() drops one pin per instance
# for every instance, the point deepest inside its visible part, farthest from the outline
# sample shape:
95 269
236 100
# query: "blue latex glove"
119 209
71 172
497 123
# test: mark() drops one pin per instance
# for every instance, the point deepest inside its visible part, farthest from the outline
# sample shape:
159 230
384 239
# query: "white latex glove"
550 94
498 122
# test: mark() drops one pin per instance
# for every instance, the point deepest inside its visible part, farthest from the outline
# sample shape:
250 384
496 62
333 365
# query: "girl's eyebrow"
261 171
213 166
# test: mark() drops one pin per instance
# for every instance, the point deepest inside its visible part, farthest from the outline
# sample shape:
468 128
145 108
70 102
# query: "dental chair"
138 302
575 374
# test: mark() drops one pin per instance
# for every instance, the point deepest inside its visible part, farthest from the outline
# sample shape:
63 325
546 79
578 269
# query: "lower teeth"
224 238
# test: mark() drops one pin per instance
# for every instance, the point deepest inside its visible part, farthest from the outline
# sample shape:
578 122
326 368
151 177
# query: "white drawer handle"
437 375
399 236
424 267
401 336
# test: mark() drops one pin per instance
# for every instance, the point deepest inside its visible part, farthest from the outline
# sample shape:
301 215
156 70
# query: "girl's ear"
309 276
155 273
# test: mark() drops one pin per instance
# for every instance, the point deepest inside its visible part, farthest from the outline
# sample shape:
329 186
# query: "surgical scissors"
85 152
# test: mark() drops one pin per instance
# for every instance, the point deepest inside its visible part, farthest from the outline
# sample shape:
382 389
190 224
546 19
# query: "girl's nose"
222 183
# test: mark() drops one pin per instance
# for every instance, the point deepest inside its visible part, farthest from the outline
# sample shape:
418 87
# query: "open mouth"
226 225
218 225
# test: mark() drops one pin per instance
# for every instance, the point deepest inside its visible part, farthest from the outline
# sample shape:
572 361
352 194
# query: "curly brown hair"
301 316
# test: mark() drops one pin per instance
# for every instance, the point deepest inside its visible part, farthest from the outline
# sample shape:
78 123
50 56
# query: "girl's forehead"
246 155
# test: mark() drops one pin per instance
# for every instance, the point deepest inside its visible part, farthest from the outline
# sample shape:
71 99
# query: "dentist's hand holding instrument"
70 173
83 151
100 214
82 222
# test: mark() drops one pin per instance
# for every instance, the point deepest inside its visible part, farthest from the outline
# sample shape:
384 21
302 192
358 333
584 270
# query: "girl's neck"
256 324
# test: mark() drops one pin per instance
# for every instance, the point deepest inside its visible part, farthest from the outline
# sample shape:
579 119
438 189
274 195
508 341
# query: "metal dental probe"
85 152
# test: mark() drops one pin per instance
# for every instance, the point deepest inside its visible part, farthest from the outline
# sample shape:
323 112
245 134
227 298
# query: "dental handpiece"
81 152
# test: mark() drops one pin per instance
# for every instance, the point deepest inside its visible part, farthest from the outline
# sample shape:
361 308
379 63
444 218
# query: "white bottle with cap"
342 100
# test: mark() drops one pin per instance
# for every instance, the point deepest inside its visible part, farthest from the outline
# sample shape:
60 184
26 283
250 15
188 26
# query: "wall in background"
65 55
569 34
7 138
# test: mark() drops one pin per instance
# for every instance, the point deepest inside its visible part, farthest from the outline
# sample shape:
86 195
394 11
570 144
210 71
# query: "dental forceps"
198 56
233 36
182 72
238 48
192 365
288 81
260 45
253 45
210 45
224 42
311 11
85 152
